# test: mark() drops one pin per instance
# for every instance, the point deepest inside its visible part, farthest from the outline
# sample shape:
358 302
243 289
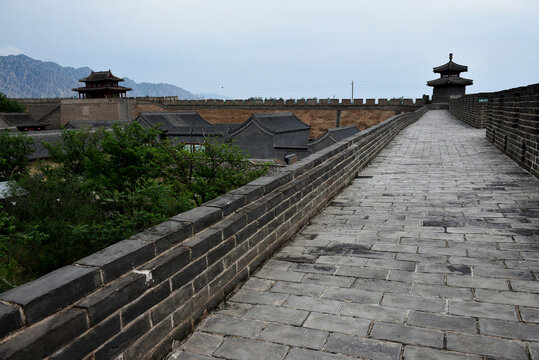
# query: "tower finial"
450 56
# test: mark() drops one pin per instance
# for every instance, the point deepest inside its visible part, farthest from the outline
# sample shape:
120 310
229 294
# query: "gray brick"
10 319
304 354
189 273
297 288
166 235
258 297
173 302
258 284
201 217
417 277
444 292
507 297
475 309
486 345
141 348
203 343
90 341
362 272
374 312
442 322
277 314
315 268
247 349
329 280
503 273
42 339
201 243
167 264
362 347
507 329
353 295
415 352
391 264
49 293
408 334
384 286
295 336
313 304
124 339
525 286
104 302
413 302
335 323
228 203
477 282
146 301
444 268
272 274
120 258
228 325
529 314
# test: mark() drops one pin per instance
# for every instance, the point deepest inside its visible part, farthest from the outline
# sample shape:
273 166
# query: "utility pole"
352 100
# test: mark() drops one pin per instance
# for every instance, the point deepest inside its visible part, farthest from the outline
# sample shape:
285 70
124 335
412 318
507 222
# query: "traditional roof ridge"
279 122
100 76
450 66
453 80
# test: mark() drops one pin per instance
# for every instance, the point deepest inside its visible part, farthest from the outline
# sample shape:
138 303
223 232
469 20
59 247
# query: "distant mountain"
24 77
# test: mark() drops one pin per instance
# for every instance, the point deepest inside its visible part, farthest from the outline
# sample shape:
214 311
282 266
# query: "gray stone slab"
362 347
297 288
304 354
277 314
442 322
248 349
408 334
486 345
352 294
295 336
482 310
335 323
328 280
508 329
312 304
444 292
229 325
259 297
202 343
424 353
374 312
414 302
385 286
529 314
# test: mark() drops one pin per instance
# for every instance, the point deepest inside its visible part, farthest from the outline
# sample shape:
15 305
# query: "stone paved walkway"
431 253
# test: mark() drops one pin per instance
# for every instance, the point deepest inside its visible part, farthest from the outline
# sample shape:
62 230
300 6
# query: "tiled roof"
169 121
279 122
100 76
454 80
92 124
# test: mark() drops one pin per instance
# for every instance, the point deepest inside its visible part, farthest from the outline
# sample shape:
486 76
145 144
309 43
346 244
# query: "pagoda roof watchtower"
450 84
101 84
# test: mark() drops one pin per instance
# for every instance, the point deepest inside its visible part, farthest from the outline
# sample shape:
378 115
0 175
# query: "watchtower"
450 84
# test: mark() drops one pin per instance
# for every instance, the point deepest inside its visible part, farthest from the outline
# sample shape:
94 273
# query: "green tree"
14 151
8 105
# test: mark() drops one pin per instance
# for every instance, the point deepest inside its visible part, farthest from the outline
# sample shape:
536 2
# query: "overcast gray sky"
292 48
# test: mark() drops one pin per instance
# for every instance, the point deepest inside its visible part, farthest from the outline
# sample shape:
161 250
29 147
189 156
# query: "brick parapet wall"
511 118
138 297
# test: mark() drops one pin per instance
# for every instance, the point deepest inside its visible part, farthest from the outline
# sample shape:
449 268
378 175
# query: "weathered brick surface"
430 253
511 118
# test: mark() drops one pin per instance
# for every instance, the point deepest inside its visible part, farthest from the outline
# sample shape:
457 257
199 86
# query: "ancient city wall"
138 297
320 114
511 118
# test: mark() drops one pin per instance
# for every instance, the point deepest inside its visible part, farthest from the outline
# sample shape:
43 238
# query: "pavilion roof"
96 76
450 66
451 80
